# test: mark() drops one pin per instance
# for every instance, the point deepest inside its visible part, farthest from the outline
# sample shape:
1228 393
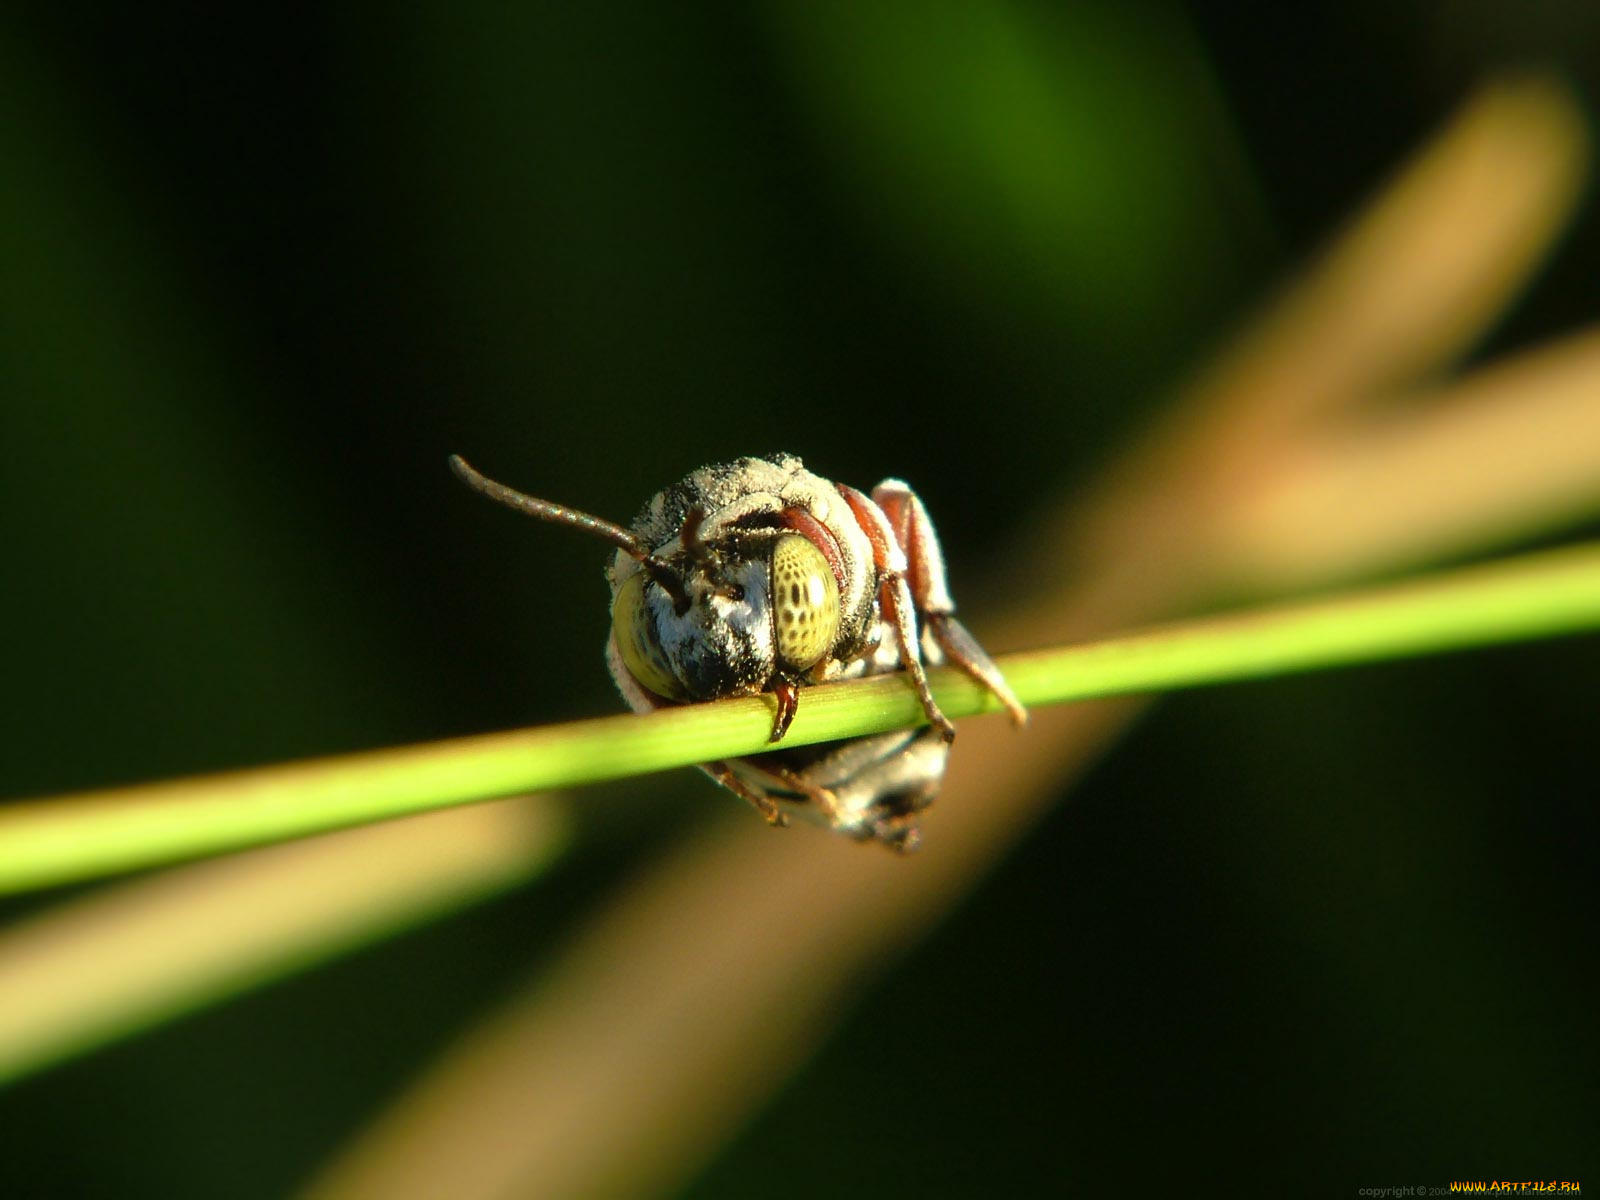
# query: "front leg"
961 648
787 697
896 601
909 523
898 606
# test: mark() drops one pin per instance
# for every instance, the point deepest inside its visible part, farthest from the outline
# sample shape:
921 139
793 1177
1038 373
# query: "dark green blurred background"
261 271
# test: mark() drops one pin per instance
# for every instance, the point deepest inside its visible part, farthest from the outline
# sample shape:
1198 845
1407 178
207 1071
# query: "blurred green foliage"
260 272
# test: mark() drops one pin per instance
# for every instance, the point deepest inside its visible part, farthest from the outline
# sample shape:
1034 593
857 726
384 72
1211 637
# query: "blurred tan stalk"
126 956
687 1002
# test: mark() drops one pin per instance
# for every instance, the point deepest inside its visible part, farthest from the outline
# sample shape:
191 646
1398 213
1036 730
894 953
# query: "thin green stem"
74 837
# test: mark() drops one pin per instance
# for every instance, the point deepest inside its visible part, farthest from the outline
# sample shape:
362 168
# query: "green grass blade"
74 837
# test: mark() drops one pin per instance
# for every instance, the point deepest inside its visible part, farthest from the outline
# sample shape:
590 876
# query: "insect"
758 576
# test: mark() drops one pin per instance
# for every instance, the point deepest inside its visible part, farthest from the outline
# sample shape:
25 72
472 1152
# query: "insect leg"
827 803
894 595
962 649
788 698
760 800
913 529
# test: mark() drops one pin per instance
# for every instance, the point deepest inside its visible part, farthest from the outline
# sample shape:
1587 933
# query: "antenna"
625 540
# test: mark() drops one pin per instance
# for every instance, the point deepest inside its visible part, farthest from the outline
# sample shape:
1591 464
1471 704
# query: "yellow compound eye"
637 642
805 602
